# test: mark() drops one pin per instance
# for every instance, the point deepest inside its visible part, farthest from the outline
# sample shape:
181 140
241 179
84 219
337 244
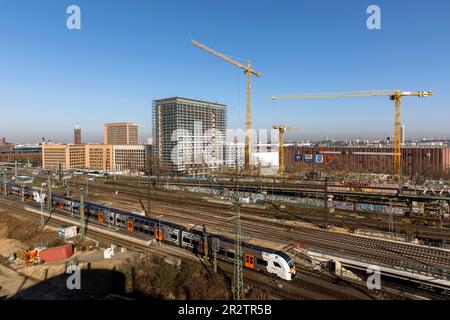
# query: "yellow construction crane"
395 95
281 131
248 71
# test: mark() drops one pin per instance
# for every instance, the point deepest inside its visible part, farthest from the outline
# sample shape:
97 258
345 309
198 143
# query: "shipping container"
57 253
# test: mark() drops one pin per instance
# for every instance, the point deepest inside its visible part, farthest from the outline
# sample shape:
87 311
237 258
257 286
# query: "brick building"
21 154
416 161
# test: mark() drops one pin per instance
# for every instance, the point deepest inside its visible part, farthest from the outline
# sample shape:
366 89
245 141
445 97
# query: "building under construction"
189 134
432 162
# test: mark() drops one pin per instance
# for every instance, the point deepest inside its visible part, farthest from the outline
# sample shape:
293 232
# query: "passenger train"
255 257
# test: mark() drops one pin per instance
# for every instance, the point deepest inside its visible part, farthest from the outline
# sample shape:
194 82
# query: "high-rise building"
77 134
2 141
402 133
121 133
188 135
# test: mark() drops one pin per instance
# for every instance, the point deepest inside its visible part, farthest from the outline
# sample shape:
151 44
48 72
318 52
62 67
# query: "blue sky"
131 52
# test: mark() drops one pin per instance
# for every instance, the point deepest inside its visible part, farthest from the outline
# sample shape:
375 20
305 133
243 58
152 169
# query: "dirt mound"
3 231
15 227
8 246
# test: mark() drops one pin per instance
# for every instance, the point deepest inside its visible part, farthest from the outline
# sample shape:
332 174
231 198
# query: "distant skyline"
129 53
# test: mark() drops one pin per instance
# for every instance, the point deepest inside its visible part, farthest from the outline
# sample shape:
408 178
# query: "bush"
153 278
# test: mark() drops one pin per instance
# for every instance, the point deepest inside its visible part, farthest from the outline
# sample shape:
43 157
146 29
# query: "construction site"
204 212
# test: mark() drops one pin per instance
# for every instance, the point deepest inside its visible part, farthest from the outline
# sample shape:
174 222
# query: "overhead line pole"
325 220
49 201
238 281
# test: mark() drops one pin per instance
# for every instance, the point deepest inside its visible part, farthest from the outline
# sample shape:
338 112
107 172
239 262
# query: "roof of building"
121 123
190 100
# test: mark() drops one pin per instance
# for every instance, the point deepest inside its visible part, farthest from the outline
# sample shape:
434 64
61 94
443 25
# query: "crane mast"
397 136
248 71
248 121
281 162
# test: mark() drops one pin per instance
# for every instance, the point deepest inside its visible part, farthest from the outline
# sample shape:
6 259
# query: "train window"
173 236
146 223
152 232
230 254
195 243
261 262
276 264
221 252
186 240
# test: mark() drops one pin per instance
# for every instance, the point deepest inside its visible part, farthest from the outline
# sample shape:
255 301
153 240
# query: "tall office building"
402 133
77 134
188 135
121 133
2 141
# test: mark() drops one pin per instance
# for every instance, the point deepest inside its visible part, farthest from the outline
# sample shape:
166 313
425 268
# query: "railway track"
392 253
307 286
312 215
346 219
305 188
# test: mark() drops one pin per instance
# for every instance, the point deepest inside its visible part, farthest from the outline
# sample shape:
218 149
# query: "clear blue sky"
131 52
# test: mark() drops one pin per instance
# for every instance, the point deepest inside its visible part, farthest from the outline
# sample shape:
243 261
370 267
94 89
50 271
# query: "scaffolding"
189 126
